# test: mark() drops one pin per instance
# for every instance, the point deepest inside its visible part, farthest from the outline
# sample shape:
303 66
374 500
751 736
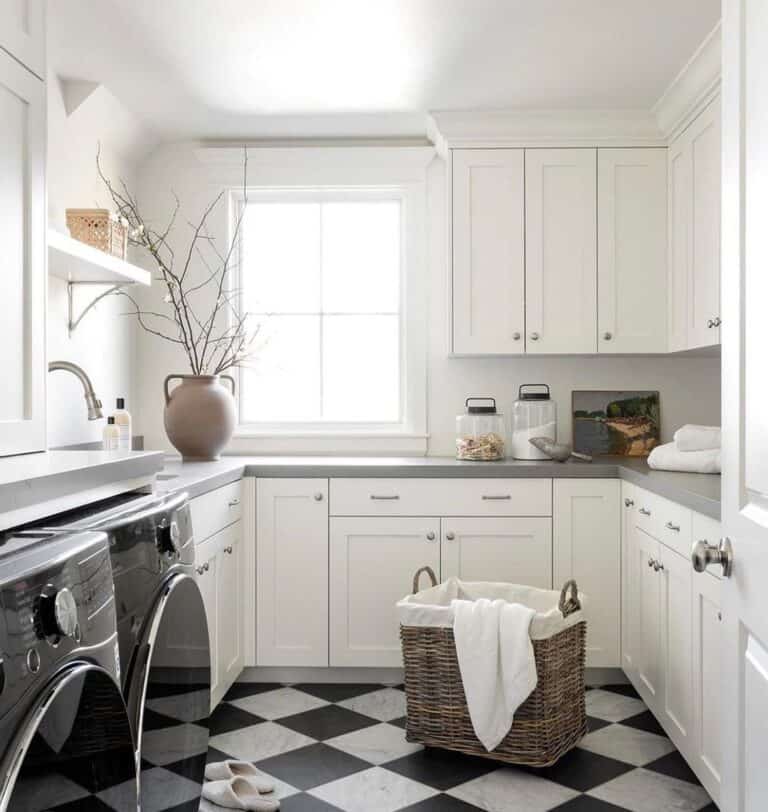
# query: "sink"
162 477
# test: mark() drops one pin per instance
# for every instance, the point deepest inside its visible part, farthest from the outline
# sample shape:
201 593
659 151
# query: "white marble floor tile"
260 741
279 703
157 786
169 744
509 790
611 706
377 744
647 791
627 744
384 705
374 790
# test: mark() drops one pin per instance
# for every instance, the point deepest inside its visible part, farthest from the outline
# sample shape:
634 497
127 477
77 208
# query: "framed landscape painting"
621 423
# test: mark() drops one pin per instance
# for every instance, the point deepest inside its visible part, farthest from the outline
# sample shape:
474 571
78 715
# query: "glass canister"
534 414
480 431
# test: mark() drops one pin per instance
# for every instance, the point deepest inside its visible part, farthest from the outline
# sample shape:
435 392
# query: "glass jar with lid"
480 431
534 414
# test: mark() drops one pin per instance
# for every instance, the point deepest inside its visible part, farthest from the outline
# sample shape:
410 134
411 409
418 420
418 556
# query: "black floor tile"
157 690
582 770
401 722
674 765
242 689
187 806
336 692
645 721
441 803
585 803
327 722
152 720
311 766
227 717
192 767
305 803
215 755
89 804
623 689
594 724
441 769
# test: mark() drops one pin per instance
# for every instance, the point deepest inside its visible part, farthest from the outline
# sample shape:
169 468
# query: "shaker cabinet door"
22 32
22 236
488 251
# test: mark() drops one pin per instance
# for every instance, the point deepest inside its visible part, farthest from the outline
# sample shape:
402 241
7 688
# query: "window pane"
361 368
281 258
282 382
361 257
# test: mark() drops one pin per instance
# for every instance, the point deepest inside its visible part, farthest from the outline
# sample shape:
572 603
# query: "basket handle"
569 604
432 577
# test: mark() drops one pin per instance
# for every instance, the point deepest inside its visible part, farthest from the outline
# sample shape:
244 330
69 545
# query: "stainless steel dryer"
163 640
65 736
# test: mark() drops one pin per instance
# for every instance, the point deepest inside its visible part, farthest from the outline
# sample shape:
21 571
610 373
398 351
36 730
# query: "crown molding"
692 89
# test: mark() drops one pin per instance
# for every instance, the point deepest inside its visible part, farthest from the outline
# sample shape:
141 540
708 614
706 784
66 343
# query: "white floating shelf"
74 261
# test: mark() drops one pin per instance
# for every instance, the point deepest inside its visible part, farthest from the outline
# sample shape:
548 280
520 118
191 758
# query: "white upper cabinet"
631 250
561 248
22 236
488 251
694 233
22 32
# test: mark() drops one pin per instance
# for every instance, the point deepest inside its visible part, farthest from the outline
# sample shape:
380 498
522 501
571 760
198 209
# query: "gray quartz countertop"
700 492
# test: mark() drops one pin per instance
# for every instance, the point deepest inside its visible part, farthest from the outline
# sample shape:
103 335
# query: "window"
322 272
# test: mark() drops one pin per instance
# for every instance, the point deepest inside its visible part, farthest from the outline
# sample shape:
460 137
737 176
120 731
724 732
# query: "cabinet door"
586 529
704 286
22 32
646 551
206 562
373 561
513 550
676 646
230 605
292 572
488 251
632 250
561 247
679 236
22 236
629 576
704 752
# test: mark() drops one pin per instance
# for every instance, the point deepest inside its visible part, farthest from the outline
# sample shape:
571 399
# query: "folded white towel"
496 661
222 770
668 457
238 793
697 438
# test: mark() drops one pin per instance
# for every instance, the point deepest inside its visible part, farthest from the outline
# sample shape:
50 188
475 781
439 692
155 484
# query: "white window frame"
397 172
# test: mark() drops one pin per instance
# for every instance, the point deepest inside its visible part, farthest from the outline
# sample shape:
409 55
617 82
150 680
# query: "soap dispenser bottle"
123 423
111 435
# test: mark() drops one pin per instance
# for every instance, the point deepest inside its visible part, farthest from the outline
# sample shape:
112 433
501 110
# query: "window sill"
251 441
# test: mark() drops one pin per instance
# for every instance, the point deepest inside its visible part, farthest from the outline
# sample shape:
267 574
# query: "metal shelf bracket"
73 322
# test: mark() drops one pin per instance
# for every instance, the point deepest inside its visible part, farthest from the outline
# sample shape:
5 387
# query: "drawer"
674 526
710 530
647 511
441 497
214 510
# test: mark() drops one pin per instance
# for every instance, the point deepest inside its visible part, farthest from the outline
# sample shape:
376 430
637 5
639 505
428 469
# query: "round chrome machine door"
74 750
170 695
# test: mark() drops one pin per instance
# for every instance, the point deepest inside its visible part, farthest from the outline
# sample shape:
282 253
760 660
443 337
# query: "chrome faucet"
91 401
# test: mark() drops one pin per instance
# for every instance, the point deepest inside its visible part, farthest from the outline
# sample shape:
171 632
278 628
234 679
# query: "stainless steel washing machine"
65 736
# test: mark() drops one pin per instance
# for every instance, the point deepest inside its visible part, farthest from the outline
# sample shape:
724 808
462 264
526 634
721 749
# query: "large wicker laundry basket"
547 725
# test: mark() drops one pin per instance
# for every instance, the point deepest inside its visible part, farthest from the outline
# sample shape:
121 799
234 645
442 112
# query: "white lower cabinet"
648 648
292 572
206 561
628 580
372 564
516 550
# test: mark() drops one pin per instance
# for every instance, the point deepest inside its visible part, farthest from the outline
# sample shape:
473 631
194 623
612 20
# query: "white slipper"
238 793
222 770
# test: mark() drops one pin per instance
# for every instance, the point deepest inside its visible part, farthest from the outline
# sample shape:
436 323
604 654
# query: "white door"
631 250
561 250
586 530
22 32
22 236
372 565
629 583
646 554
230 605
512 550
676 646
206 561
292 572
745 388
488 251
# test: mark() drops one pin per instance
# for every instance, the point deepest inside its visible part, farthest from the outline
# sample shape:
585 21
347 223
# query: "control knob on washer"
168 538
57 614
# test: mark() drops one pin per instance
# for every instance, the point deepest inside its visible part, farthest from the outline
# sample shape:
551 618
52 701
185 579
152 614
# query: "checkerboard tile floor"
343 747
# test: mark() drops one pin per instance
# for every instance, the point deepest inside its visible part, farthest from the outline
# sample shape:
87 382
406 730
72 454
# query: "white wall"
104 343
689 387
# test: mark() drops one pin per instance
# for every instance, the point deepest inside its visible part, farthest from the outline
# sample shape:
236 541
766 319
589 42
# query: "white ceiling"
225 68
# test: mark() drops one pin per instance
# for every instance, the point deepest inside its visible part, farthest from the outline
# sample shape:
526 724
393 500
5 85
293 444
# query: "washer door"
170 696
75 747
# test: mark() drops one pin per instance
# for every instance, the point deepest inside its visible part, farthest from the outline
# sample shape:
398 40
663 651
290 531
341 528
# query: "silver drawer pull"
234 503
228 550
650 562
629 502
380 498
499 498
645 511
203 568
670 526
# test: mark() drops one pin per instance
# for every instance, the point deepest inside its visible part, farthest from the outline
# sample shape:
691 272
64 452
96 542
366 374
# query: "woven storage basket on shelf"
547 725
100 229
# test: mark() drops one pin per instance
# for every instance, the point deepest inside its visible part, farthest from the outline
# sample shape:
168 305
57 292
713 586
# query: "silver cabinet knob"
318 497
670 526
516 336
703 554
534 336
431 536
228 550
710 323
203 568
450 536
650 562
629 502
657 566
645 511
234 503
718 321
607 336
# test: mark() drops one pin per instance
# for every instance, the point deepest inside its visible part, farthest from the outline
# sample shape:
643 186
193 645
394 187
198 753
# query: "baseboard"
605 676
384 676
